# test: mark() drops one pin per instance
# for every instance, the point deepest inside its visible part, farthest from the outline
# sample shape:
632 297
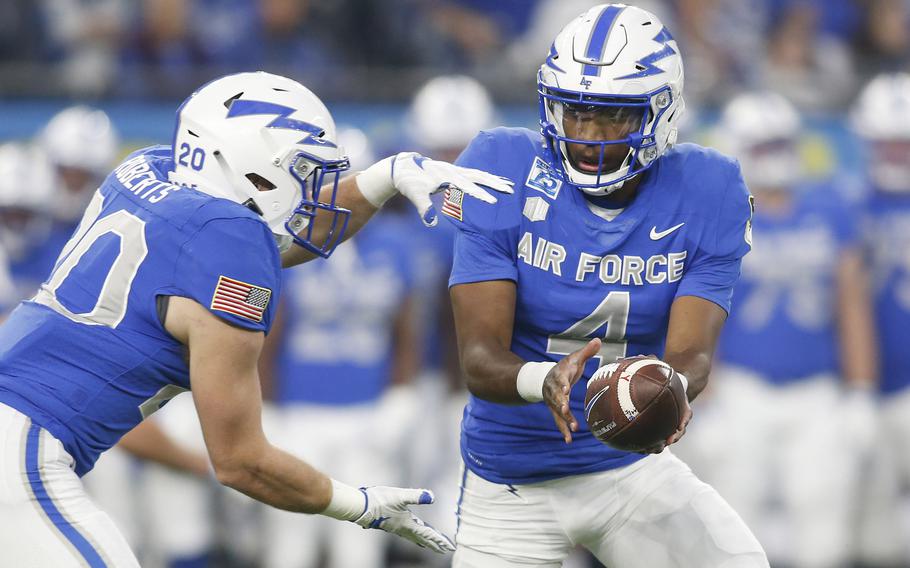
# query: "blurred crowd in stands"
817 52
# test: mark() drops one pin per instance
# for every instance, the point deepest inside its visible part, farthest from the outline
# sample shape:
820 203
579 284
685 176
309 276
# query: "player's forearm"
349 197
695 365
149 442
277 478
491 373
855 327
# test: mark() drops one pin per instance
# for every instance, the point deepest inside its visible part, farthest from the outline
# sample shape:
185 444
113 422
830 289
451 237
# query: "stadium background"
137 59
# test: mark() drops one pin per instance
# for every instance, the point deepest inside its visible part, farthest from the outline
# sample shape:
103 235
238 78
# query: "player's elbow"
236 470
236 475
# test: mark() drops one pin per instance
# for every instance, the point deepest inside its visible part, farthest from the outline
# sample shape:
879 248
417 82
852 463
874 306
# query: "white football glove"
386 508
418 177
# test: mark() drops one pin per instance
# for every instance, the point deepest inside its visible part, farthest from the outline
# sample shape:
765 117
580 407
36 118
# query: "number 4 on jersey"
612 311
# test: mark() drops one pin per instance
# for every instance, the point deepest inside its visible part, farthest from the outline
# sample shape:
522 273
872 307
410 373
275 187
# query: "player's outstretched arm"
484 316
225 383
410 174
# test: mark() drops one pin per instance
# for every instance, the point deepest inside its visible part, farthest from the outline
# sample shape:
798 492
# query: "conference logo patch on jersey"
543 179
451 205
241 299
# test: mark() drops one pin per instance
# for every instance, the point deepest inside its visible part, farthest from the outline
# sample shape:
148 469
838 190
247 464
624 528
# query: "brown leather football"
634 403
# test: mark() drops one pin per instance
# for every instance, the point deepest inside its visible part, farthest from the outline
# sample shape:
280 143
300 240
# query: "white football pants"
46 518
781 444
653 513
340 441
178 506
884 531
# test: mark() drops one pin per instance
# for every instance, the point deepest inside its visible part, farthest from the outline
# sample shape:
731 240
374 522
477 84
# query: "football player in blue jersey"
617 243
881 118
26 226
168 285
81 144
797 349
353 320
446 113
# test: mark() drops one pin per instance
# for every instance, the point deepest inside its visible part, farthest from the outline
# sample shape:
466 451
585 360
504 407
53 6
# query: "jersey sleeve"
716 263
484 244
231 267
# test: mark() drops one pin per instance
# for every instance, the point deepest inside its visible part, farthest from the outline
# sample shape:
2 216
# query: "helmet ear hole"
260 182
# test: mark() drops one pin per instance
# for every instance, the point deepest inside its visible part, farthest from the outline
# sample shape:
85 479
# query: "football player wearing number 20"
617 243
170 283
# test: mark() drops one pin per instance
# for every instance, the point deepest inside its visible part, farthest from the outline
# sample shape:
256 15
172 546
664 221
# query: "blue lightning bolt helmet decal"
250 107
551 58
648 61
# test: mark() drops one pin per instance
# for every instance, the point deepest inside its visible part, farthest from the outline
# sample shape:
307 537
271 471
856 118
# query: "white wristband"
347 504
685 383
530 379
375 182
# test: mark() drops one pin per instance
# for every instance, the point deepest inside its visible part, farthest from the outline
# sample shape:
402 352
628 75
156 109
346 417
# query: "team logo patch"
241 299
451 205
543 180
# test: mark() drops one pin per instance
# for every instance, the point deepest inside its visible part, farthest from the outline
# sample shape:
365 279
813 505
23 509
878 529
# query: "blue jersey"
889 232
579 276
88 358
784 327
433 254
340 315
33 267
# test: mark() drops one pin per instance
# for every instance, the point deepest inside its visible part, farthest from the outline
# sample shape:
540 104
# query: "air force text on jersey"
610 269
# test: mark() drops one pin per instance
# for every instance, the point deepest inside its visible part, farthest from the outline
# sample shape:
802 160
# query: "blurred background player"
445 114
794 352
345 339
881 118
82 144
26 226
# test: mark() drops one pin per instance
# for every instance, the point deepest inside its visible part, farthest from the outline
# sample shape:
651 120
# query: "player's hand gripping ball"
635 404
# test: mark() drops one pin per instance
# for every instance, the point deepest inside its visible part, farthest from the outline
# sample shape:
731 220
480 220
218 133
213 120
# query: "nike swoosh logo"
655 236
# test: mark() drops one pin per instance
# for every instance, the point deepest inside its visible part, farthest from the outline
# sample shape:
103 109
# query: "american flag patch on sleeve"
451 206
241 299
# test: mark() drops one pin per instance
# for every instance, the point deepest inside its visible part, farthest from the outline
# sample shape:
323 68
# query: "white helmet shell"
27 194
258 126
448 112
613 55
881 117
761 129
81 137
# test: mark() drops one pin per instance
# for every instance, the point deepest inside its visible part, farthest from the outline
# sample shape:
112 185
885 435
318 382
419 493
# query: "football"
634 403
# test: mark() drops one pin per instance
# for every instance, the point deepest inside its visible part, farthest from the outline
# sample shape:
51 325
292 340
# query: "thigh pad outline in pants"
674 520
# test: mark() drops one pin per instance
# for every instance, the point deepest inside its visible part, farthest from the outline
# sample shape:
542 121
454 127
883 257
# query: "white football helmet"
26 191
248 131
881 117
81 143
619 61
448 112
761 129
